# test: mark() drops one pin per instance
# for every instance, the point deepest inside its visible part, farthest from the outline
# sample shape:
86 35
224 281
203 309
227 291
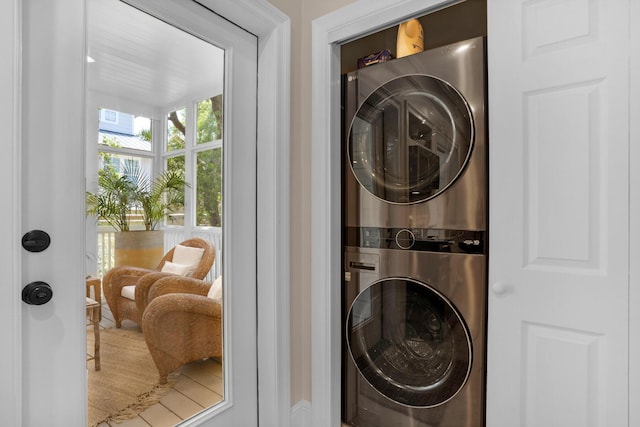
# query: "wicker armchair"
181 324
118 277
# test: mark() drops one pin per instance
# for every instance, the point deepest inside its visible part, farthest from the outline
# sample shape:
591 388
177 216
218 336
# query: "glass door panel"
160 358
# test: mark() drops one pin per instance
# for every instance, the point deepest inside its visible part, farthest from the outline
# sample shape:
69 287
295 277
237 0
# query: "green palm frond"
134 190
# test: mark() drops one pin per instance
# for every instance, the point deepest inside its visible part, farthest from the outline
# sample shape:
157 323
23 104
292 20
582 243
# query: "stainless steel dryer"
414 327
415 140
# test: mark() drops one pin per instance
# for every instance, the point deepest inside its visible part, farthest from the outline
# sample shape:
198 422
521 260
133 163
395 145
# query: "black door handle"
37 293
36 241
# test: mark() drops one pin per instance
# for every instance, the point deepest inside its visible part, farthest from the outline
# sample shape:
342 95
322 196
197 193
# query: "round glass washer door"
409 342
410 139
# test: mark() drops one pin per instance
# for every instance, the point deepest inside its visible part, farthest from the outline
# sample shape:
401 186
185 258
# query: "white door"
52 190
558 299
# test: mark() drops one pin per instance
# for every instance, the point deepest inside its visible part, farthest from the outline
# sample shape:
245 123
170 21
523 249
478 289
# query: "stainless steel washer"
414 328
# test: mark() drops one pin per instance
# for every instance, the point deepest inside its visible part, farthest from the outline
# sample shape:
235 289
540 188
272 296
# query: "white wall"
302 13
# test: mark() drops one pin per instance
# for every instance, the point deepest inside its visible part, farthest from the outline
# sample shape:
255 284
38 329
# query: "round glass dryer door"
410 139
409 342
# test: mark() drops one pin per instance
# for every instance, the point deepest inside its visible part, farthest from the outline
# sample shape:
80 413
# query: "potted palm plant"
134 198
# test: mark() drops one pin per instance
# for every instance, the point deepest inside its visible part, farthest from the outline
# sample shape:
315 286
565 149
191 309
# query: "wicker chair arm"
188 305
143 286
205 264
178 284
117 278
129 271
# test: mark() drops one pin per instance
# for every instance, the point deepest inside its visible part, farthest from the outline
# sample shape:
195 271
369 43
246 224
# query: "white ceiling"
140 58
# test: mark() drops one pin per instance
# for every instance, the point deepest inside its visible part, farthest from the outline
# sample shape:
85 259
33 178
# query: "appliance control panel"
417 239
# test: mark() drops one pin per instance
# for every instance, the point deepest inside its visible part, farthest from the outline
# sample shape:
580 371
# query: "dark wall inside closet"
455 23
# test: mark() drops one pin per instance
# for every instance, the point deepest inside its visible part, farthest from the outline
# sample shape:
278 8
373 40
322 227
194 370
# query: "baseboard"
301 414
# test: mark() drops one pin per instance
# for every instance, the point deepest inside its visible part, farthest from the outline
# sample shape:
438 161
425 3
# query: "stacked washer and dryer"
415 240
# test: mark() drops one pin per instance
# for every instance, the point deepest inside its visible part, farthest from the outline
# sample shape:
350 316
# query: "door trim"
634 214
273 31
328 33
274 56
10 304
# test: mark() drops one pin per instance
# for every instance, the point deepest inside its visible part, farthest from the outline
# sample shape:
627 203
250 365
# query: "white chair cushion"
215 291
129 292
188 256
175 268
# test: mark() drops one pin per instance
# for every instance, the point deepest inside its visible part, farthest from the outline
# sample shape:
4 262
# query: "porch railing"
172 236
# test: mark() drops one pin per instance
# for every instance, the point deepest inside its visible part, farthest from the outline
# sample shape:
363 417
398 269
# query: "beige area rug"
127 382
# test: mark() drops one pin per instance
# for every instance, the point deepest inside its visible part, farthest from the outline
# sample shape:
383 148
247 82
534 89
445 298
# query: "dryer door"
410 139
409 342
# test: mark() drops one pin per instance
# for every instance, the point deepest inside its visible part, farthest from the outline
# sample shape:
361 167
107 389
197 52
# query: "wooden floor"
199 386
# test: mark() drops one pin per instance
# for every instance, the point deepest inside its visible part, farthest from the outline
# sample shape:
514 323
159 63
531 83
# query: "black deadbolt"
37 293
36 240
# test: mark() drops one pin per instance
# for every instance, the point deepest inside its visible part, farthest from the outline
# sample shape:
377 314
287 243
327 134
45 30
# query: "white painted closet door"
559 144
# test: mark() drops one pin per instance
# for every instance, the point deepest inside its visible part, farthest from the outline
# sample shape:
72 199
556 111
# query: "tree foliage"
145 134
177 129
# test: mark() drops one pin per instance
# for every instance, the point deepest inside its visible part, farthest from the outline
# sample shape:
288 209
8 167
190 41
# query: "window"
208 207
128 131
124 149
110 162
209 188
132 169
123 164
176 216
110 116
176 129
199 157
209 125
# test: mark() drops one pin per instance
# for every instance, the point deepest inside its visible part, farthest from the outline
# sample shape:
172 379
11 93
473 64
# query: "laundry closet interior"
415 222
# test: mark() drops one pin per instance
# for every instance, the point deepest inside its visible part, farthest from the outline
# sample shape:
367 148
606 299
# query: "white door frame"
10 264
634 216
328 32
273 31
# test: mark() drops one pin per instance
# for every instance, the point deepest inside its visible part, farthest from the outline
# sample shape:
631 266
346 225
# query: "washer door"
410 139
409 342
